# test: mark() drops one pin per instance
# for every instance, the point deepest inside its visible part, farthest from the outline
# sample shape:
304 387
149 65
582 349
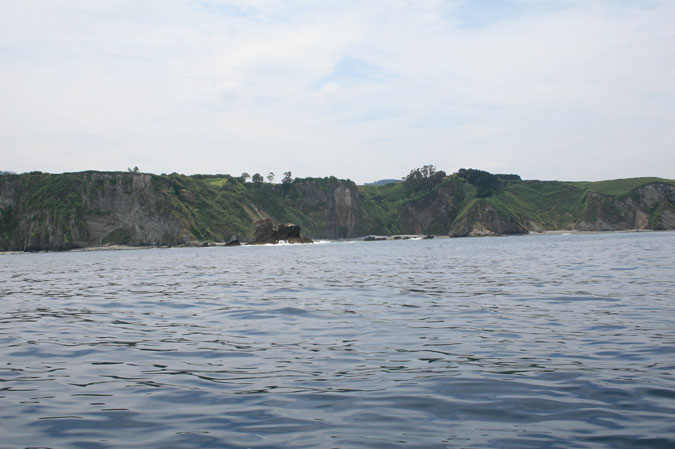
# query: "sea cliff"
41 211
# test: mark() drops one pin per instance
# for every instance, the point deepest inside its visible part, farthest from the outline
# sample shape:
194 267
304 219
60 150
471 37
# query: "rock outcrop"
266 232
374 238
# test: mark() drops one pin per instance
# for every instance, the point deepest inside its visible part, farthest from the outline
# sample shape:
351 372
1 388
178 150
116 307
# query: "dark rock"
265 232
398 237
288 231
234 242
428 237
372 238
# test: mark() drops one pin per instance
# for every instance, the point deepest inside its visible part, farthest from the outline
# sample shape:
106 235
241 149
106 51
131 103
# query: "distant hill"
42 211
382 182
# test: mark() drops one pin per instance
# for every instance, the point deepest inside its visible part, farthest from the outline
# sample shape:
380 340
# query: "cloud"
549 89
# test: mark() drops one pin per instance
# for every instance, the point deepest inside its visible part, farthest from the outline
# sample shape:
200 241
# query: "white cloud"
568 90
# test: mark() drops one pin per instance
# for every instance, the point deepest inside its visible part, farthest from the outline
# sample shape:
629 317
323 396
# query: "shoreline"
576 231
410 237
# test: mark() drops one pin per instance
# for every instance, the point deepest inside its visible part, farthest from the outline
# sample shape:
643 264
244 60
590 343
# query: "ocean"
554 341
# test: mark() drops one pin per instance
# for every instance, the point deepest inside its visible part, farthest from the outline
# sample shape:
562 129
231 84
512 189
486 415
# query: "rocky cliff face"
94 209
57 212
483 219
130 210
433 213
514 206
34 227
345 211
332 206
648 207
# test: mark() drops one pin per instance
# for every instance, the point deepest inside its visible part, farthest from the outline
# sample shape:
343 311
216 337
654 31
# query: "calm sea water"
520 342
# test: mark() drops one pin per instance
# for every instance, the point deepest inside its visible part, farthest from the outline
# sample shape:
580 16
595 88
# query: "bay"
533 341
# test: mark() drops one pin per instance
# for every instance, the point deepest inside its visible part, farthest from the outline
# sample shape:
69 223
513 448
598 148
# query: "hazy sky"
548 89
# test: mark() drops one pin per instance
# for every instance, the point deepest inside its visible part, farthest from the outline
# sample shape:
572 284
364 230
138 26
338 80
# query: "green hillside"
70 210
619 186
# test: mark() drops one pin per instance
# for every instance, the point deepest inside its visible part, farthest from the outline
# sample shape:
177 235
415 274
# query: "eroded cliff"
57 212
41 211
459 208
647 207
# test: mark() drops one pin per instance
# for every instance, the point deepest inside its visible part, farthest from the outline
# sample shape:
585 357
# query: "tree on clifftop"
257 178
423 178
270 177
485 182
288 178
286 182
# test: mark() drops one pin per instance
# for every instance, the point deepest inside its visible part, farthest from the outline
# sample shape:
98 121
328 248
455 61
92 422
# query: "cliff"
501 205
647 207
40 211
57 212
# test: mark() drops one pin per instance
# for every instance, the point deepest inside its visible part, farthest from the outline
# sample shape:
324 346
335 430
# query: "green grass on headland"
619 186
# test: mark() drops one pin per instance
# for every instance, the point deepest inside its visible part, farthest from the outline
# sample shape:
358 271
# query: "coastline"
409 237
575 231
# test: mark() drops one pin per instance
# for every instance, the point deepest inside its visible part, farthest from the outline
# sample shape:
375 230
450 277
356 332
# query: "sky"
365 90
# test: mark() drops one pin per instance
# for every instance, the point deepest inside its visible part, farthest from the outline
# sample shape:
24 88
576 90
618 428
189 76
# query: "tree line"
426 178
257 178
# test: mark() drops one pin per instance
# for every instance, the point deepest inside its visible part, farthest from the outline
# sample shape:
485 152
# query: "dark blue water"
520 342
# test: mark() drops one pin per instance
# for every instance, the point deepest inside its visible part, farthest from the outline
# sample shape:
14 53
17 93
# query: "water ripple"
540 341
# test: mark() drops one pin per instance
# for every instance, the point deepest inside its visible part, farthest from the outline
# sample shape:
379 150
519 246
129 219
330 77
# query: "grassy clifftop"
619 186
